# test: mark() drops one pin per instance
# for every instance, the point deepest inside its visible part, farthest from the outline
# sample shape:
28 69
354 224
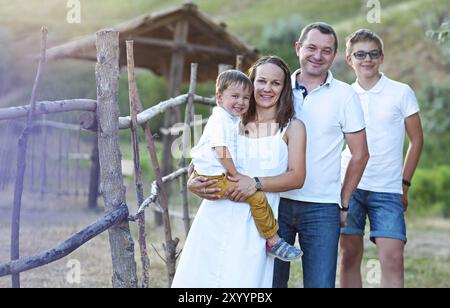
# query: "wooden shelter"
167 42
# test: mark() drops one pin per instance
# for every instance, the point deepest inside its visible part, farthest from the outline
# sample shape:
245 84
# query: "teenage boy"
390 108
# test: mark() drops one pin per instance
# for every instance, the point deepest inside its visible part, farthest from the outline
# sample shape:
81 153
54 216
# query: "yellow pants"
260 208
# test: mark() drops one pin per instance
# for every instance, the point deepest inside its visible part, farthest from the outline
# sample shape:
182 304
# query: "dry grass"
45 224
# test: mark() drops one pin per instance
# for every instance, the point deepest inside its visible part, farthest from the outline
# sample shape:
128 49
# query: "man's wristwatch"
344 208
258 184
406 182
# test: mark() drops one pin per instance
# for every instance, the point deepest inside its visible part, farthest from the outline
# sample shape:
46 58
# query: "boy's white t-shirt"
221 130
385 108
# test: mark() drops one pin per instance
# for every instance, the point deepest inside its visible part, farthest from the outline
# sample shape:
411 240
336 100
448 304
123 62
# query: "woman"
224 248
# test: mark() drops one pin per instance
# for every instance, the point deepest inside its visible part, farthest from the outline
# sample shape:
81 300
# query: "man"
389 107
332 114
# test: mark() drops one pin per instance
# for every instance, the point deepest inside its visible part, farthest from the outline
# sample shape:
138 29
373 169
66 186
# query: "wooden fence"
58 158
103 117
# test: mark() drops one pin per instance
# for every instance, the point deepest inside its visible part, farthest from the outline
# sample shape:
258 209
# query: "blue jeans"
317 225
385 211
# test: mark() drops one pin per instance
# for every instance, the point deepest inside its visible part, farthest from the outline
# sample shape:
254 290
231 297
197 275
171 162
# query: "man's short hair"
363 35
324 28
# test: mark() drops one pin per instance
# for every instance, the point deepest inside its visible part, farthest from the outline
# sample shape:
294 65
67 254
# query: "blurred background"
417 52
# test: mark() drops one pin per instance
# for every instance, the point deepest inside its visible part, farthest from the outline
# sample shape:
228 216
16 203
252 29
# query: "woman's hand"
198 185
244 188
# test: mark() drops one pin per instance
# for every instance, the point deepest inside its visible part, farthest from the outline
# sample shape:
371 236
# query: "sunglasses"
361 55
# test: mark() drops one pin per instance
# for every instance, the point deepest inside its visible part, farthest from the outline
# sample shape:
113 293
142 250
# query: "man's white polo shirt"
385 108
328 112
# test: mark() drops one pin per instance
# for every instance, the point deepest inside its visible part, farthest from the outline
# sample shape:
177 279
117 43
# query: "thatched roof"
208 43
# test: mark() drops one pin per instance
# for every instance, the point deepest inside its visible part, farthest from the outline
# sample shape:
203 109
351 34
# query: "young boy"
214 156
389 107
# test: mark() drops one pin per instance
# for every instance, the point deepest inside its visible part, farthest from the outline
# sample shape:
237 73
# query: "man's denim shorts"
385 211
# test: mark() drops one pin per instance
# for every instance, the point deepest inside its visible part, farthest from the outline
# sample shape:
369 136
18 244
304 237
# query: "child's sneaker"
284 251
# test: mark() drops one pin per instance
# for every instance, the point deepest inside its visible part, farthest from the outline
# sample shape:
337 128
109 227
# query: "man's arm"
415 136
357 144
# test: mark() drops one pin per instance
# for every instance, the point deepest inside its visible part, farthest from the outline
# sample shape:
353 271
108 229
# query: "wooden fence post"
239 62
21 165
134 109
187 140
43 184
107 76
94 175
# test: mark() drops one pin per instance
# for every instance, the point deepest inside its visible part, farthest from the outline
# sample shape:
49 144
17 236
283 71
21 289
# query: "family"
271 169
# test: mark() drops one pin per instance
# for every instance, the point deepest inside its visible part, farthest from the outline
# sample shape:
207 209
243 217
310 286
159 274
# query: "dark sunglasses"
361 55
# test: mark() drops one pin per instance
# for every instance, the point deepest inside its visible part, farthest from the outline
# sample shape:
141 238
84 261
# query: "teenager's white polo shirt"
328 112
221 130
385 108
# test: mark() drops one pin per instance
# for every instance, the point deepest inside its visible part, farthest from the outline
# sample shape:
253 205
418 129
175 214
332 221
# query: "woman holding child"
224 248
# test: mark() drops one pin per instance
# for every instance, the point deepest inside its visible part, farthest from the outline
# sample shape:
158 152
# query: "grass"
45 224
427 257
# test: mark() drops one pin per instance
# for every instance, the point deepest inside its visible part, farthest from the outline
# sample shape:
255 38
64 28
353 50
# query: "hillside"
410 56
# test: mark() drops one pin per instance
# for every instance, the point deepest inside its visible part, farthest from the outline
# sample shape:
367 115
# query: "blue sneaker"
284 251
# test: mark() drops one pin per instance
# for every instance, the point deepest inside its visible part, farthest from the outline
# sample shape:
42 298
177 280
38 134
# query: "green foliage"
430 192
435 99
442 35
435 151
437 26
279 38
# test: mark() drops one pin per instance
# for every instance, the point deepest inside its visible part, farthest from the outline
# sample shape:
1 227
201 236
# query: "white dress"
223 248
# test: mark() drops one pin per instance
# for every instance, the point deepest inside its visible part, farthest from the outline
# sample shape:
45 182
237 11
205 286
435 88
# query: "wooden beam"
21 163
148 114
134 109
189 114
46 107
66 247
239 62
107 76
175 82
188 47
155 191
57 125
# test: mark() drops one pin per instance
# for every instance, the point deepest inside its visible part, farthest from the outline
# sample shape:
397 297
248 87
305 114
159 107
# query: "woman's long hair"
285 104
